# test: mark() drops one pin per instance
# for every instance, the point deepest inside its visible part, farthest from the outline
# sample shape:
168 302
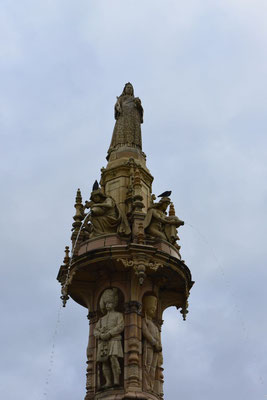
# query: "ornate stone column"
125 267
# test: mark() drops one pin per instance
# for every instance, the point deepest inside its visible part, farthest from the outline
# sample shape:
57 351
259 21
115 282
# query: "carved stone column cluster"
133 349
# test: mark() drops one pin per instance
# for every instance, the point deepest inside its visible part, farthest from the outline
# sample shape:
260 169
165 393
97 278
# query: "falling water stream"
56 329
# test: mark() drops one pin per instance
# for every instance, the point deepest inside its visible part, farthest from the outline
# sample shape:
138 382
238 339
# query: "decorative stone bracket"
140 266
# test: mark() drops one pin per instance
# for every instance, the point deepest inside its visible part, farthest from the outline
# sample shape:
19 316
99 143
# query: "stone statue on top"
129 117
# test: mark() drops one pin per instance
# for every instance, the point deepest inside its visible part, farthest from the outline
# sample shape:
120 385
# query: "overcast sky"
200 69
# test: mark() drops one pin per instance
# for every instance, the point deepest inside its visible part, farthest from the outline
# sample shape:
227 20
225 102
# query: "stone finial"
67 257
78 196
171 210
184 311
79 215
64 297
63 276
79 206
63 271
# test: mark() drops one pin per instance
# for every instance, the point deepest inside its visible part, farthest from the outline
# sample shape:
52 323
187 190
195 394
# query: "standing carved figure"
129 117
152 357
108 332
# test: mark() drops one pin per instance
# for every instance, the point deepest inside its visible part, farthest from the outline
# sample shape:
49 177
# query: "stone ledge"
113 240
114 394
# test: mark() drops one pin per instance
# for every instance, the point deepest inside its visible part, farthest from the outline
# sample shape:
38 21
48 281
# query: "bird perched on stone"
165 194
95 185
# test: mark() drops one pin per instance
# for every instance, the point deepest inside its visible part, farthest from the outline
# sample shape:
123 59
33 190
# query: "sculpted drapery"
152 357
129 117
108 332
111 324
158 224
105 217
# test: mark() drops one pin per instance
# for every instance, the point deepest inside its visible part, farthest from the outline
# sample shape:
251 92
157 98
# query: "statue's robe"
151 357
108 220
127 130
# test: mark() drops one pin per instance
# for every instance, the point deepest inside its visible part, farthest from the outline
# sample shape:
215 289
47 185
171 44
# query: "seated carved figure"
105 217
152 357
108 332
159 225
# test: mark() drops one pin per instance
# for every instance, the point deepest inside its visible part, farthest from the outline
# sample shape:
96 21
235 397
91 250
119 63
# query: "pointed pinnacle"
78 197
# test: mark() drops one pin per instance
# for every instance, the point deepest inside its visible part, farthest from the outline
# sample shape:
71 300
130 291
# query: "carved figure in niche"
108 332
129 117
105 216
152 357
158 224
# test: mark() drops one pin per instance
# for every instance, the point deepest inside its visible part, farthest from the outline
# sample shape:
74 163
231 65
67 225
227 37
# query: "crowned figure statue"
129 117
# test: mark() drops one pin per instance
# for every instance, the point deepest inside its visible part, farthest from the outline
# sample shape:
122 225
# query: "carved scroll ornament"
140 266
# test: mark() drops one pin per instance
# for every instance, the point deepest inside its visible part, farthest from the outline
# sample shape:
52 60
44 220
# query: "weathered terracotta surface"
125 267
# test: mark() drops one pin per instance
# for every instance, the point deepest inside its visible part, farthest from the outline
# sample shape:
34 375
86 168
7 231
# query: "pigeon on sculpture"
95 185
165 194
